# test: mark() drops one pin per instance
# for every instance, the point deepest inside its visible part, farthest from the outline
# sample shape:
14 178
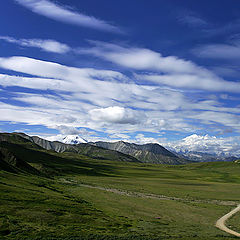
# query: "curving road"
221 222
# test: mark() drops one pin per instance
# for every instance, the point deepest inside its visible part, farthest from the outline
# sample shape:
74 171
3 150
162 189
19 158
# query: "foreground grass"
196 181
234 222
33 207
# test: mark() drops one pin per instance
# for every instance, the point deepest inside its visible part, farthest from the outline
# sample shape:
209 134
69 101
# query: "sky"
164 71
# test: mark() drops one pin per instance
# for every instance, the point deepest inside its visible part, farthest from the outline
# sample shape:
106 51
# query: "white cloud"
226 71
54 70
119 136
224 30
143 59
57 138
64 14
66 130
112 101
190 81
34 83
191 19
48 45
218 51
115 115
220 118
141 139
171 71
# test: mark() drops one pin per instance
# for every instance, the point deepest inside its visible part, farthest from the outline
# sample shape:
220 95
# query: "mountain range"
203 156
15 146
147 153
81 148
18 147
193 148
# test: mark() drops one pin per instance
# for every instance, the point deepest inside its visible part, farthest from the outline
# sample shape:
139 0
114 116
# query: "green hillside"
76 196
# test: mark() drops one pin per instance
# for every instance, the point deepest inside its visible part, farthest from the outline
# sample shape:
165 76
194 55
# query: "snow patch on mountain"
194 144
69 139
73 139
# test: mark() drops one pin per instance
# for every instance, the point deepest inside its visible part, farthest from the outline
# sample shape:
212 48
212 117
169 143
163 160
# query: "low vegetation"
59 203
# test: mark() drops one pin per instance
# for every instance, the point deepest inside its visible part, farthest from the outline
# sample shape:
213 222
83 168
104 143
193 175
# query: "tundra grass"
206 181
234 222
33 207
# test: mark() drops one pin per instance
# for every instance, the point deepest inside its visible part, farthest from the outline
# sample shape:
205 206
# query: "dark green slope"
11 163
44 162
4 157
25 156
83 148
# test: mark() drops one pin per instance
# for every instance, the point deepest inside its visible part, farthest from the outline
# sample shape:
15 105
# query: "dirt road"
149 195
221 222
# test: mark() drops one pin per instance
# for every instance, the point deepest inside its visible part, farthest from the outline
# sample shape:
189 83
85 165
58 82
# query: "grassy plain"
60 207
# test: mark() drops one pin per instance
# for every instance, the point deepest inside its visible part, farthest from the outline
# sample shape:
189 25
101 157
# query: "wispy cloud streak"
63 14
48 45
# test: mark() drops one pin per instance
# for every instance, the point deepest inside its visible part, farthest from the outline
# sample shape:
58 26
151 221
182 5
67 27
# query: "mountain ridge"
146 153
82 148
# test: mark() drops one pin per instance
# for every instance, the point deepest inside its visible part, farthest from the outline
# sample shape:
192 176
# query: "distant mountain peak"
73 139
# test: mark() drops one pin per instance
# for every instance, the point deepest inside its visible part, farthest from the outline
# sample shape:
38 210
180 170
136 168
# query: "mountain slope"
118 151
147 153
11 163
101 153
4 157
83 148
48 145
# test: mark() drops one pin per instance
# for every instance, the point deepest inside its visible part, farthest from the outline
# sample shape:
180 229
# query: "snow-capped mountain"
205 148
73 139
205 157
68 139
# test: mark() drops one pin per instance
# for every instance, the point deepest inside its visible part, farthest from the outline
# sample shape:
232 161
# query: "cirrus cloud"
48 45
63 14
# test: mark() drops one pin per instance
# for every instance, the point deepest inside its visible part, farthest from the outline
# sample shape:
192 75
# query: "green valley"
77 195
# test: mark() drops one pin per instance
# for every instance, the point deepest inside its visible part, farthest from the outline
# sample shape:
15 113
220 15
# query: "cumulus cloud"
115 115
48 45
65 14
141 139
67 130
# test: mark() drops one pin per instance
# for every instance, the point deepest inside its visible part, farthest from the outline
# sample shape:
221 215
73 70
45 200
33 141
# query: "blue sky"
140 71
